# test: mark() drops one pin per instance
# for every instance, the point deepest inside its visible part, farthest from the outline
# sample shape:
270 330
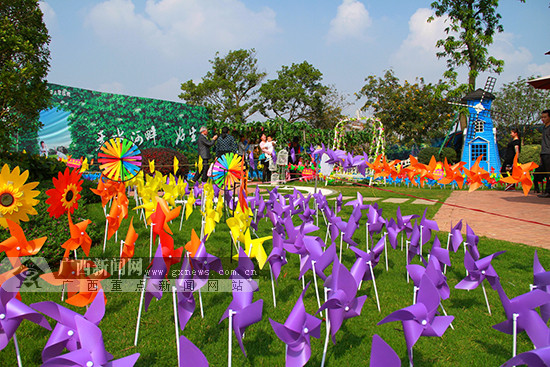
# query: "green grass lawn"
473 342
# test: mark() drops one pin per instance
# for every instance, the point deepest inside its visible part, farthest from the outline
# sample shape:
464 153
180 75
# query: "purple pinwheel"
13 311
157 273
92 350
524 309
348 228
471 243
185 286
404 222
65 335
441 254
338 206
419 319
427 226
541 280
456 236
360 269
245 313
393 231
358 202
296 333
193 355
204 263
251 161
414 246
539 357
434 273
277 257
322 259
341 303
382 355
374 219
197 193
478 271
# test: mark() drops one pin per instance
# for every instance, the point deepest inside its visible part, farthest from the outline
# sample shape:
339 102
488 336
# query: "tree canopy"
410 113
230 89
472 26
24 64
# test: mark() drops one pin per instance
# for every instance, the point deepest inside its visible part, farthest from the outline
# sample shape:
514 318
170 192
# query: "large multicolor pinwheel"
120 159
228 170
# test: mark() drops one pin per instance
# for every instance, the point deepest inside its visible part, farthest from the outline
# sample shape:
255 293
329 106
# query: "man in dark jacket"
545 151
203 147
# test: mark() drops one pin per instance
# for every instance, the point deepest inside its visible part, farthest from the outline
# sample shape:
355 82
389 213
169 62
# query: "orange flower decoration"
17 245
64 197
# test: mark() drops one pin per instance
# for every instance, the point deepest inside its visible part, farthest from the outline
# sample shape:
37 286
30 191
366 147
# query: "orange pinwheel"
107 189
193 246
391 168
17 245
377 166
82 291
476 174
452 173
521 173
118 211
12 272
68 269
129 243
79 237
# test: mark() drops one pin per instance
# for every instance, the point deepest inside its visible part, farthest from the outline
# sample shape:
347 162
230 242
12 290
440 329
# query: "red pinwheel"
65 335
521 173
476 175
296 332
13 311
419 319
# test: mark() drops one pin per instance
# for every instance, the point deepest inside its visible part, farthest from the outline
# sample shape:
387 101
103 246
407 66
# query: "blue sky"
147 48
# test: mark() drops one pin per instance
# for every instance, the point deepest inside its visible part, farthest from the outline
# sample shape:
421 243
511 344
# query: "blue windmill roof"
477 95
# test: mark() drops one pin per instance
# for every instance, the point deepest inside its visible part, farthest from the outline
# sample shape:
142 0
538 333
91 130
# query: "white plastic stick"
407 258
303 277
514 333
230 338
486 299
386 248
200 304
139 309
105 237
448 242
367 237
272 287
327 334
17 354
120 267
341 247
415 290
175 303
151 242
374 283
420 253
316 287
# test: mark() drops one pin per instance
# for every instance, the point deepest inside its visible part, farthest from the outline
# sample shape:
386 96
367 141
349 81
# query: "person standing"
43 149
545 151
266 147
203 147
512 149
226 143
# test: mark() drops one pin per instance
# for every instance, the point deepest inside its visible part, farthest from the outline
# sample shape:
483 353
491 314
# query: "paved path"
511 219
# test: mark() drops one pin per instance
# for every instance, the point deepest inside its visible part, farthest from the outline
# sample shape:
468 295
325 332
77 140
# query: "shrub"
529 153
396 151
164 161
87 194
40 168
425 155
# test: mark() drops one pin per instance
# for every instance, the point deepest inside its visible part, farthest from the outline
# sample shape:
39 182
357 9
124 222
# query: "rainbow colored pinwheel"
296 332
228 170
120 159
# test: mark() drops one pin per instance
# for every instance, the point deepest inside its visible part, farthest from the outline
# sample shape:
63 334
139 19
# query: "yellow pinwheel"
189 205
152 166
254 248
176 165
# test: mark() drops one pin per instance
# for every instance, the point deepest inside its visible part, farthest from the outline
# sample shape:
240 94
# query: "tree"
297 93
473 23
24 64
520 106
229 90
410 113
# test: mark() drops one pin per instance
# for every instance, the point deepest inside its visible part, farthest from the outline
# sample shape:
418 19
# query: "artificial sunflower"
17 199
64 196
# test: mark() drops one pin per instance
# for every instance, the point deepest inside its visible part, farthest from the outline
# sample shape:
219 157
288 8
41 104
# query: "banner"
81 120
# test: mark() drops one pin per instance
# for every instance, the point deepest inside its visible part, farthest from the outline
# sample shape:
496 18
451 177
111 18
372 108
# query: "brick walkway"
509 221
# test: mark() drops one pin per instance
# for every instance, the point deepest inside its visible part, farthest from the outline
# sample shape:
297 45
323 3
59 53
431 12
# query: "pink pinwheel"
245 312
539 357
419 319
185 286
456 236
13 311
382 355
92 350
524 309
342 302
541 280
193 355
65 333
478 271
296 333
157 273
471 242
